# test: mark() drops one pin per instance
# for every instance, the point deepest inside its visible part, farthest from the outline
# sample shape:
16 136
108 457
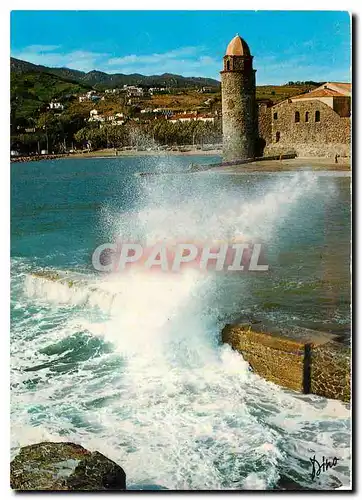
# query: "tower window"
317 116
297 117
307 116
228 65
275 116
277 137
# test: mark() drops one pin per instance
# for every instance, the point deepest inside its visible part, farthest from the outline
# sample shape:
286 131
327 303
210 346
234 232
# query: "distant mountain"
101 80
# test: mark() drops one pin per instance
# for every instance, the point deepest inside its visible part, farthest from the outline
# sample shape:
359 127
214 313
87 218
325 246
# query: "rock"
23 159
47 275
61 277
286 483
64 466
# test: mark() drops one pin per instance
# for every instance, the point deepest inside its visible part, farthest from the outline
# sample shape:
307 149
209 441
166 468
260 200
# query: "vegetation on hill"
147 135
32 123
277 93
193 100
185 100
30 93
34 126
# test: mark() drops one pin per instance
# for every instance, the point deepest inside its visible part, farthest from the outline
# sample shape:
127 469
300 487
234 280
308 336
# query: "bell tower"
238 101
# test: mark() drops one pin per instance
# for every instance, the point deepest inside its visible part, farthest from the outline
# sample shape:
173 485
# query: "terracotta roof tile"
345 86
319 93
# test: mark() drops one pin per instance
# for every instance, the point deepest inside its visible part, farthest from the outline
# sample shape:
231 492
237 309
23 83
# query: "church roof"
237 47
344 87
318 93
329 89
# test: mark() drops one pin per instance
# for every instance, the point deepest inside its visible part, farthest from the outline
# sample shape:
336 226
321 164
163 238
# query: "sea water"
132 365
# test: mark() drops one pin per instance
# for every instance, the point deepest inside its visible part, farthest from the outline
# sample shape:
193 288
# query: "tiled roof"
319 93
344 86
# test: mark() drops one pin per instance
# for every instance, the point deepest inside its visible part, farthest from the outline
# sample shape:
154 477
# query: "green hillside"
31 92
34 126
277 93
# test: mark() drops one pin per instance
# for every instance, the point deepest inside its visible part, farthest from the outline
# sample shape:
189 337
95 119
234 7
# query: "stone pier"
300 359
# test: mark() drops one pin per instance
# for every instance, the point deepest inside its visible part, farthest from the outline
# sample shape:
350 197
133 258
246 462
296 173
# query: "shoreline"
106 153
284 165
289 165
109 153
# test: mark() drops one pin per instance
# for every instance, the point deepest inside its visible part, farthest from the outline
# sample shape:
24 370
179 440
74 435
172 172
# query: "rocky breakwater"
23 159
300 359
63 467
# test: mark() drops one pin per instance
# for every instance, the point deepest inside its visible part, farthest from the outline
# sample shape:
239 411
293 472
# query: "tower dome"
237 47
238 101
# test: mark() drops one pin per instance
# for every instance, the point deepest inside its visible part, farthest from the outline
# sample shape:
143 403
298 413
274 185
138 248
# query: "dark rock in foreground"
64 466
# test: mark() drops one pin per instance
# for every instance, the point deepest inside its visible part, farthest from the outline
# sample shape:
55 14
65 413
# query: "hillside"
34 126
32 91
193 100
100 80
277 93
33 86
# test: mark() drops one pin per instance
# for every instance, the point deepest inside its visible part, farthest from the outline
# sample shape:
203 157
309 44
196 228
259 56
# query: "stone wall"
274 358
303 360
342 106
264 136
329 136
329 150
331 371
238 114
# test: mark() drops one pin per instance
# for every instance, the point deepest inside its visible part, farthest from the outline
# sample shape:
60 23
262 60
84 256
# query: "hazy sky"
312 45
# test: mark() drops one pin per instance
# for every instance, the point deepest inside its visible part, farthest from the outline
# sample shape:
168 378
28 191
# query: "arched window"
307 116
297 117
275 116
227 65
277 137
317 116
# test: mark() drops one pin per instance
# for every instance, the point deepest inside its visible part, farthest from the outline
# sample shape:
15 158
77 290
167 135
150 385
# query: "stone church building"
317 123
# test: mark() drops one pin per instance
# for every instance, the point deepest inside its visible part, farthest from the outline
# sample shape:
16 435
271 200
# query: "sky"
286 45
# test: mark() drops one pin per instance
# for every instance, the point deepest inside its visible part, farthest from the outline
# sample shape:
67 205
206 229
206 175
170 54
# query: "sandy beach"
315 164
111 153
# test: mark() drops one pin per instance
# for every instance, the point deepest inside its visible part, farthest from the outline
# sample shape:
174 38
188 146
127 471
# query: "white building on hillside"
56 106
192 117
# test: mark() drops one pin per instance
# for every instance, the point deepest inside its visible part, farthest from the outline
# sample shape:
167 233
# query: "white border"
349 5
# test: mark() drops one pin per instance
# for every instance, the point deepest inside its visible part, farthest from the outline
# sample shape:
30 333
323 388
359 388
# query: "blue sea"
132 364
